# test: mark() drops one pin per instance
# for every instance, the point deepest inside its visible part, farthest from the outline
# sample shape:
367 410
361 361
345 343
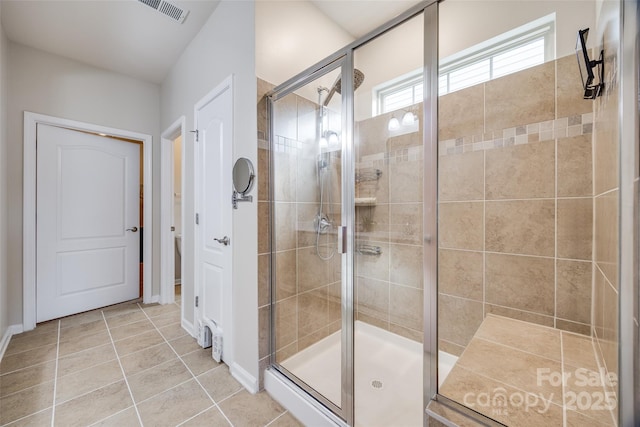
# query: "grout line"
517 349
25 389
555 228
194 377
530 199
484 234
164 363
124 375
146 399
55 379
276 418
26 367
130 336
197 415
139 351
602 366
229 397
511 386
112 415
13 422
563 384
122 325
511 254
90 391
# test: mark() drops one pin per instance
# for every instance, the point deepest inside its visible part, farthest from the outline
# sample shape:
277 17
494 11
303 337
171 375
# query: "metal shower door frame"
345 62
344 58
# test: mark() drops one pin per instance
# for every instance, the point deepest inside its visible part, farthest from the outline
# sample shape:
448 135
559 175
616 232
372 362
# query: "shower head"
358 78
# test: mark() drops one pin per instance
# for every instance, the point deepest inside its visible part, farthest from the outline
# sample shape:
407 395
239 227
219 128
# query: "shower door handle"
342 240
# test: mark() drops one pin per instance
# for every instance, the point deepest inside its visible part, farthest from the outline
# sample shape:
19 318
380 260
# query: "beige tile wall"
606 201
516 203
389 286
636 269
264 267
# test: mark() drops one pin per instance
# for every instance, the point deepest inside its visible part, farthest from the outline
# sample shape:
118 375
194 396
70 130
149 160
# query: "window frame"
511 40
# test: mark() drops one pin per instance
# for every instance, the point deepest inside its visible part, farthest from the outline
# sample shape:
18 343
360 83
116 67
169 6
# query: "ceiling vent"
168 9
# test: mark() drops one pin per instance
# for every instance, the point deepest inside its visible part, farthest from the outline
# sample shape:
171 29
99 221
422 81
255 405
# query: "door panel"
87 196
213 292
213 178
80 271
92 178
310 328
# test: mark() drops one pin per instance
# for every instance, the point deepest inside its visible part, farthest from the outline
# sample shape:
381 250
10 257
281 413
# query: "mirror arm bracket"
239 197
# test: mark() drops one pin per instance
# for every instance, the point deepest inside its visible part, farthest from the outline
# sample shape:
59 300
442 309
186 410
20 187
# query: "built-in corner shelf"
365 201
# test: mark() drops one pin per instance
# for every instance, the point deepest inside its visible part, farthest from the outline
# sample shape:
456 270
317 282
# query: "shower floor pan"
388 375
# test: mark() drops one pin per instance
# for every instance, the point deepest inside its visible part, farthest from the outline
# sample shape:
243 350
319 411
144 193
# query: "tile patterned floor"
512 371
125 365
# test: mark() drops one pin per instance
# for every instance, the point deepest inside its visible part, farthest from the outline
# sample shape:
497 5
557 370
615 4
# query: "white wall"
395 53
464 23
4 304
48 84
224 46
292 36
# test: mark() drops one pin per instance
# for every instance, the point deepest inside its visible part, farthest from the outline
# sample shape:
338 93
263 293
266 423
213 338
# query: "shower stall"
440 227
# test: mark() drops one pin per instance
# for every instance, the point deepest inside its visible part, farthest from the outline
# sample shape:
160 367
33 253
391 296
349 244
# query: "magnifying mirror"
243 178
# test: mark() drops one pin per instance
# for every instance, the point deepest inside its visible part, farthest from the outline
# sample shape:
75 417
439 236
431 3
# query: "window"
516 50
399 94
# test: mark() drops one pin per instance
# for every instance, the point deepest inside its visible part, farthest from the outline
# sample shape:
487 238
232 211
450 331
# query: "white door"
213 177
88 214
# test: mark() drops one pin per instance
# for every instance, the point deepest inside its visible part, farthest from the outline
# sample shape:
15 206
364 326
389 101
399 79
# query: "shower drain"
376 384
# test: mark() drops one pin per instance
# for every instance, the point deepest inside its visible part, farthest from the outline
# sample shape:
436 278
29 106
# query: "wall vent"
168 9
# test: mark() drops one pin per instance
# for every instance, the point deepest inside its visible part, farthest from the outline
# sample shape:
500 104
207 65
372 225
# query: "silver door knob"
133 229
225 240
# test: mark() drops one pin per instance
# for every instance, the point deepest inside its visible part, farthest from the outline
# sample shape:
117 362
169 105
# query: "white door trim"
31 121
167 244
227 303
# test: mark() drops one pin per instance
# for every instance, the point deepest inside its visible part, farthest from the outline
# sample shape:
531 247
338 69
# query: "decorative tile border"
525 134
410 154
286 145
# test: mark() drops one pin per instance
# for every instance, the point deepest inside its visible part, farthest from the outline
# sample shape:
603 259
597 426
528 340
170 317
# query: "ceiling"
129 37
358 17
119 35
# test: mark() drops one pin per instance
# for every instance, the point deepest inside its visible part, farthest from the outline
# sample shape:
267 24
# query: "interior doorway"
177 215
171 216
31 123
88 232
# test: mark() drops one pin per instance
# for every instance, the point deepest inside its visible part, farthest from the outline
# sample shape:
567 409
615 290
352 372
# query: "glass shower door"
389 173
308 315
527 215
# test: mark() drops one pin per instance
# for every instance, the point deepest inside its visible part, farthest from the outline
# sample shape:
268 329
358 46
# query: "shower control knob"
225 240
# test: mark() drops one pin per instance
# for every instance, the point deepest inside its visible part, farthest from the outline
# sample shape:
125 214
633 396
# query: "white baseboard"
247 380
6 337
188 326
168 299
